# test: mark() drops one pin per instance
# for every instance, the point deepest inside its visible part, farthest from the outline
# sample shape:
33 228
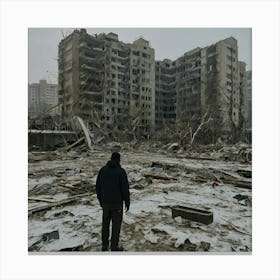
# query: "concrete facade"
103 80
42 97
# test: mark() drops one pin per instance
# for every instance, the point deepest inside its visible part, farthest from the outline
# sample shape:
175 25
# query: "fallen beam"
40 199
160 177
238 229
75 144
238 183
197 215
85 131
199 158
57 203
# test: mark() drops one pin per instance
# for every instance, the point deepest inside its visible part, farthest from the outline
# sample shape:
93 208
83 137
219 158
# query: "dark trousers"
114 213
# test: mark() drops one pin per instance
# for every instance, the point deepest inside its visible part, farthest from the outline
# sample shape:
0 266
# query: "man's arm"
98 187
125 189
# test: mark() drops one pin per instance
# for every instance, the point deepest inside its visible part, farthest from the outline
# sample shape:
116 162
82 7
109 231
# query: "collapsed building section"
103 80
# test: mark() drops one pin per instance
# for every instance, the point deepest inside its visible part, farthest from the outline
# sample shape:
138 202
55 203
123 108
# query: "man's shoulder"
103 168
122 170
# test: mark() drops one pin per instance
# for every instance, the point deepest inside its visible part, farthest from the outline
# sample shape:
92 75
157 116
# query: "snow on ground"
148 225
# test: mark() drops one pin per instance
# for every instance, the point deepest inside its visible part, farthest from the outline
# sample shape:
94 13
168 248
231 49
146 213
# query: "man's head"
116 157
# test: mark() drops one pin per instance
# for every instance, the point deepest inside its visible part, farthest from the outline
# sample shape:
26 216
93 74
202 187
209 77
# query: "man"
112 190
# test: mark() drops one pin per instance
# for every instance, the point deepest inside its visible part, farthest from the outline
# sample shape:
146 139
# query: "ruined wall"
143 84
188 85
228 84
116 103
220 91
249 99
243 106
165 110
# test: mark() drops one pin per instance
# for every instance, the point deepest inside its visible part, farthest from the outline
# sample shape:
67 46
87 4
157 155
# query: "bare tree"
204 121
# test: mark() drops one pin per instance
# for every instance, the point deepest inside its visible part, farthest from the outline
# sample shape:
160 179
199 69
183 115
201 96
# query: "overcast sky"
167 42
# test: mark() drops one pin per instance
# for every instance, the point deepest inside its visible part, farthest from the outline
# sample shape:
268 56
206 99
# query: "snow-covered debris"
148 226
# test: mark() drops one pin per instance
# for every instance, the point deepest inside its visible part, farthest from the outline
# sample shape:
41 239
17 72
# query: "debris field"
64 213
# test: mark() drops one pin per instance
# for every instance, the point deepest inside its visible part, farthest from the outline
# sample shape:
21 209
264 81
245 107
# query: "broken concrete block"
189 246
192 214
236 248
45 237
205 246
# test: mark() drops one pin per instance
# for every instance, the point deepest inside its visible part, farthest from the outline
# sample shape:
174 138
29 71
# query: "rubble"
61 197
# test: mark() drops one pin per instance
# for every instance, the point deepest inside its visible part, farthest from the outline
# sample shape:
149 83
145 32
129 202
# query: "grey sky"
167 42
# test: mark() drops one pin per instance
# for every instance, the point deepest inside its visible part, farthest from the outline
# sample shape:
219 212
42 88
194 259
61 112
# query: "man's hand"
126 208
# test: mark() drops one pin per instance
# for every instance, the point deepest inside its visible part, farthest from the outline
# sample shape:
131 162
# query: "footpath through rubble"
64 214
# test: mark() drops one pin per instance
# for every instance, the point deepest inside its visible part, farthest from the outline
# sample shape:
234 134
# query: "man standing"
112 190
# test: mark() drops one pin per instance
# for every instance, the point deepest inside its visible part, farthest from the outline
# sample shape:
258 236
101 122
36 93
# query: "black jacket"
112 185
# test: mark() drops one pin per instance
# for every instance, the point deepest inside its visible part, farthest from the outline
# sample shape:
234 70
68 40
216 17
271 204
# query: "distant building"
42 99
104 79
33 100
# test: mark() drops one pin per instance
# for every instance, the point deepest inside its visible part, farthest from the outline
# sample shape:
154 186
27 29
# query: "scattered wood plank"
239 183
75 144
199 158
40 199
245 173
236 228
57 203
160 177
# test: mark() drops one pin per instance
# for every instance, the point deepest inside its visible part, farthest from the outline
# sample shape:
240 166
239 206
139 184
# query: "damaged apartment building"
108 83
103 80
204 80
